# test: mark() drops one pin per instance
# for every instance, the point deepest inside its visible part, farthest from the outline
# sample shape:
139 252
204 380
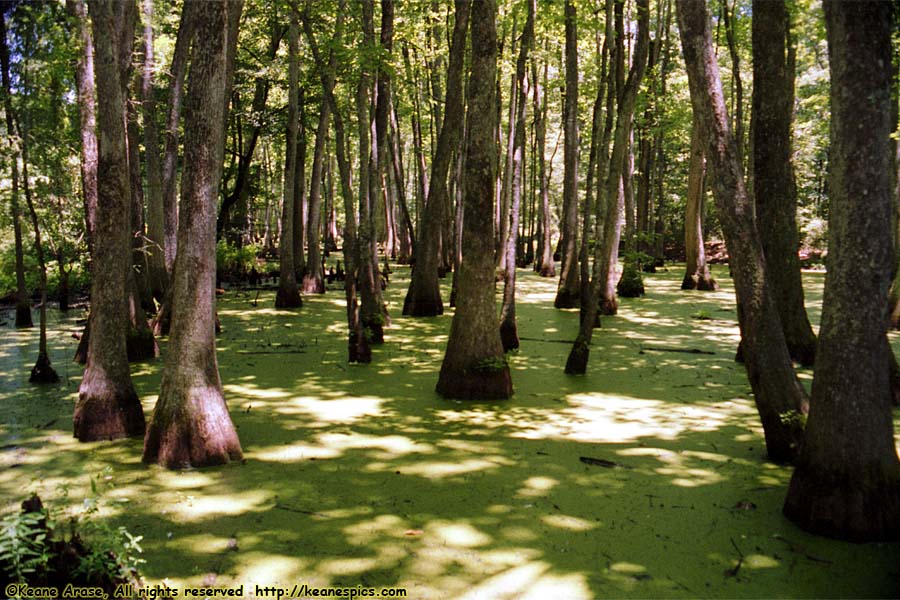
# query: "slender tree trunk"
777 391
474 366
697 276
191 426
108 406
737 100
155 210
23 306
774 187
313 282
847 481
509 334
545 266
568 293
424 296
288 295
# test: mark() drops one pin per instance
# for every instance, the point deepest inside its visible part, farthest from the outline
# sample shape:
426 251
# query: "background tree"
191 426
847 481
696 272
474 366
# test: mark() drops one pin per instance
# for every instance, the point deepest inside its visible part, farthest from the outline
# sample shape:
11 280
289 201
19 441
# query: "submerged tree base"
699 282
43 372
140 345
285 298
191 432
23 315
423 305
631 284
509 335
566 298
576 363
857 507
482 381
105 411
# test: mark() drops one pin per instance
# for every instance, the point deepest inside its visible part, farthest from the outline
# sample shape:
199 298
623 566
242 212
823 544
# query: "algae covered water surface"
645 478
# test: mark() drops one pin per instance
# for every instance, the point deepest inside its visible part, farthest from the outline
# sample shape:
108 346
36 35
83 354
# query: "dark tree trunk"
847 481
778 394
474 367
509 334
774 187
288 295
576 363
23 306
191 426
108 406
696 276
569 292
424 296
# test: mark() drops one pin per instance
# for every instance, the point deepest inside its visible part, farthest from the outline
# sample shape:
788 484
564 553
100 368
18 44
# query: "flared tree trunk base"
141 345
699 283
288 298
855 506
576 363
609 306
43 372
197 433
23 315
475 384
420 304
631 284
81 353
107 412
566 298
509 335
313 285
547 270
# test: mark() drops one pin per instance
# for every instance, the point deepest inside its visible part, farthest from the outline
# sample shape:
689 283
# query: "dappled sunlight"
189 507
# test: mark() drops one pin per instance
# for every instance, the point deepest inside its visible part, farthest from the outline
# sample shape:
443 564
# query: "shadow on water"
362 475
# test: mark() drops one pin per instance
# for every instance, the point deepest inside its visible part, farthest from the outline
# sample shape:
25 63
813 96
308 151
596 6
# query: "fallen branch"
531 339
300 511
602 462
271 351
666 349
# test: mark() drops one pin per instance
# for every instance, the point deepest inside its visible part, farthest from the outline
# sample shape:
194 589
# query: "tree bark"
545 265
191 426
847 481
288 295
474 366
779 396
696 276
568 293
23 306
423 299
774 187
108 406
509 334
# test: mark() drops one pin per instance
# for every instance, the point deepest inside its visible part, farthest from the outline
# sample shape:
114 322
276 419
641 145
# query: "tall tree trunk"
777 391
108 406
774 187
568 293
301 199
474 366
155 211
288 295
423 299
509 334
576 363
737 99
696 276
191 426
23 306
847 481
84 82
545 265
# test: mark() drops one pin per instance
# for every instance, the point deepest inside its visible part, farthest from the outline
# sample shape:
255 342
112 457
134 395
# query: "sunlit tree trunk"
545 265
696 276
777 391
191 426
